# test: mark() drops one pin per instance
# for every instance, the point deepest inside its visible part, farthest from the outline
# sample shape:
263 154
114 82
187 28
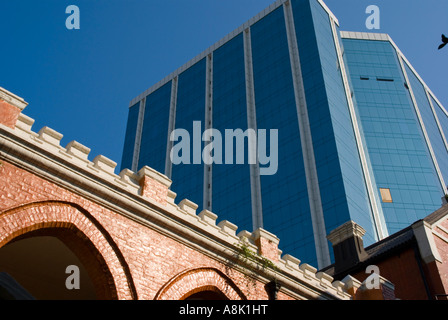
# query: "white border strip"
208 173
171 126
436 117
138 135
255 181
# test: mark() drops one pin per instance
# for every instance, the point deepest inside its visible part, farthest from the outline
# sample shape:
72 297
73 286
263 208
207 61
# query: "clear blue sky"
80 82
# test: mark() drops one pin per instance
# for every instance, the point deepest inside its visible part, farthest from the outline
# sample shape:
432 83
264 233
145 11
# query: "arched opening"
36 262
82 234
200 284
206 294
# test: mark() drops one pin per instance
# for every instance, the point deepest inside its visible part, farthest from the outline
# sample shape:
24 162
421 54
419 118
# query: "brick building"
414 259
124 233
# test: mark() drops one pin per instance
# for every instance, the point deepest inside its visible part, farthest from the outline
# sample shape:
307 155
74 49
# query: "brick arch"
53 217
193 281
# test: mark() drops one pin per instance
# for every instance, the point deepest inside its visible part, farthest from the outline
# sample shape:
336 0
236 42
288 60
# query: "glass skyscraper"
360 135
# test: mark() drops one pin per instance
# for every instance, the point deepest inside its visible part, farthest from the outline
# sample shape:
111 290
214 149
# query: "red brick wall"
8 114
143 263
154 190
268 249
403 271
439 270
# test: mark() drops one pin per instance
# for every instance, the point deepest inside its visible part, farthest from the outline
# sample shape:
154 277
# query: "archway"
201 283
66 235
205 293
38 262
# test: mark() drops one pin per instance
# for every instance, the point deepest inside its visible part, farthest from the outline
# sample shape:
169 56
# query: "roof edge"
221 42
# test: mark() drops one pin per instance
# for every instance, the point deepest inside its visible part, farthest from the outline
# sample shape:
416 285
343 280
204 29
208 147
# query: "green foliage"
253 263
246 254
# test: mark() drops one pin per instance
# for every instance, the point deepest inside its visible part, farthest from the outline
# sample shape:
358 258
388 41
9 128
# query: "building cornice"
12 99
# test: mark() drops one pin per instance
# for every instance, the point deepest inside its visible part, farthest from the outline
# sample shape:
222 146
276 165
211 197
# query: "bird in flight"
444 40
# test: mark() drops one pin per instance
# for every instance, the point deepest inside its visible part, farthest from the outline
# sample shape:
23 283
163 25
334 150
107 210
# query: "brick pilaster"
267 244
10 108
154 185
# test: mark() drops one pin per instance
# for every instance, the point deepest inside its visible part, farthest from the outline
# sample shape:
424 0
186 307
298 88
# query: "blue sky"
80 82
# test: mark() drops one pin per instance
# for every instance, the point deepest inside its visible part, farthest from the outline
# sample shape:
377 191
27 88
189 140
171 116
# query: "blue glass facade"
188 179
341 181
429 121
284 194
231 181
155 128
442 117
399 155
129 140
381 148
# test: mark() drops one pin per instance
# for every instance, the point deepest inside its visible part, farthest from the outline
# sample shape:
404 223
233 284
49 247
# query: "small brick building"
414 260
125 233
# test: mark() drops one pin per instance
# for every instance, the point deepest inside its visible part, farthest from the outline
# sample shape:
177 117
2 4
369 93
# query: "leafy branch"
253 262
